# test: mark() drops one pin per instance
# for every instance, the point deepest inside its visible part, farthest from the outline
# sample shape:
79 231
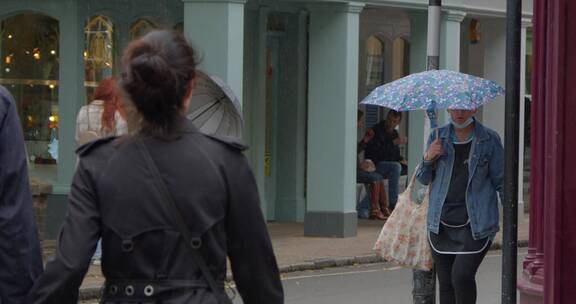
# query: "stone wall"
40 191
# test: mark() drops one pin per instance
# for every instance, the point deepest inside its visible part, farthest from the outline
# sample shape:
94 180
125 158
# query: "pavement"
296 252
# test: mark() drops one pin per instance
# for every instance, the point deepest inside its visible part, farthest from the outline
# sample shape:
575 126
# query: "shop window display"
98 52
29 70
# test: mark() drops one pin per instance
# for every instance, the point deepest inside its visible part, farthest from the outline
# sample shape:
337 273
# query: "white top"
90 119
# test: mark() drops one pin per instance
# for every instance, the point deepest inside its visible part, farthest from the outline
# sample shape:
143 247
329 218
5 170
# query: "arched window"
400 58
141 27
374 63
29 65
98 51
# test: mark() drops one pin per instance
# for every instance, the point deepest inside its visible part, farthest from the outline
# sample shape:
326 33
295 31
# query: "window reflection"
29 70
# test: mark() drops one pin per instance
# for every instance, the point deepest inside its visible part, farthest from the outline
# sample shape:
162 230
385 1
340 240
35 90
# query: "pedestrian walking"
20 255
169 202
103 116
366 174
464 167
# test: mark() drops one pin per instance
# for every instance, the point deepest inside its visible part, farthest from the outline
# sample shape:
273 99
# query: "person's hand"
404 162
368 136
434 150
400 140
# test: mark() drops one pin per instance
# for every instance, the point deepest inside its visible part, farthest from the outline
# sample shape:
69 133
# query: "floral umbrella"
435 89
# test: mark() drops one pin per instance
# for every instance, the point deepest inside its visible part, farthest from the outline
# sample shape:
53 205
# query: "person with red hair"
103 116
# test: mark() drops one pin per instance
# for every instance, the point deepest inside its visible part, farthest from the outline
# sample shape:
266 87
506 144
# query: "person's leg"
375 212
443 264
464 276
370 179
391 171
383 199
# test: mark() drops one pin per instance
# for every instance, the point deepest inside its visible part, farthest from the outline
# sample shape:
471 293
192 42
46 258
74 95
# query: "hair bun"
158 70
151 70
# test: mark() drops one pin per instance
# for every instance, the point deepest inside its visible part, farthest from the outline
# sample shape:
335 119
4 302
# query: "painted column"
450 40
531 281
332 99
70 91
560 148
548 275
216 29
450 48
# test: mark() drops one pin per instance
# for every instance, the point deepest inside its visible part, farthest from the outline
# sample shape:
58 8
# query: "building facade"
300 69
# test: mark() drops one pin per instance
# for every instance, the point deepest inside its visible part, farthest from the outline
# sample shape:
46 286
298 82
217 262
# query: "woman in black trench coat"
115 195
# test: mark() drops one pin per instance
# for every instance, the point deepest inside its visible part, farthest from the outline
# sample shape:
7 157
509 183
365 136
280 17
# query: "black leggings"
457 276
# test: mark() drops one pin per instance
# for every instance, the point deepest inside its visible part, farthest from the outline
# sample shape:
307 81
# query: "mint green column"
417 119
332 106
216 29
70 91
450 47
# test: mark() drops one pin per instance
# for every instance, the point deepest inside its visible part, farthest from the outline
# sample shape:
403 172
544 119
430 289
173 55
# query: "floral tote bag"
403 239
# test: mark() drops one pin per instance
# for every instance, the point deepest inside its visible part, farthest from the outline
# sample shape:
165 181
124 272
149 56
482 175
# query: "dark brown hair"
394 113
158 70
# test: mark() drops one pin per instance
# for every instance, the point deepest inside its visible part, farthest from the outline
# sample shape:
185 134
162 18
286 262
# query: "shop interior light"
51 86
53 52
9 36
7 70
36 53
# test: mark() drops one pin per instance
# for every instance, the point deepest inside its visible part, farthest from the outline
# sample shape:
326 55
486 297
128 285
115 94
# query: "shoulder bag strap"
195 243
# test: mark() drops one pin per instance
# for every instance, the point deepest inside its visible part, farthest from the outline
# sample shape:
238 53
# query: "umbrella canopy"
435 89
215 109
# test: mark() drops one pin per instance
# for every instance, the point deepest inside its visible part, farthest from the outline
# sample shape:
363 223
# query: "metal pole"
511 141
424 282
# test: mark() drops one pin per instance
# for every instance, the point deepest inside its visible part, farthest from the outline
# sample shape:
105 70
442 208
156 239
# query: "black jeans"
457 276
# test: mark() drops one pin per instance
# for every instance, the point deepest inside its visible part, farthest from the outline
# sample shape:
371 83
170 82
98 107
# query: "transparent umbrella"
215 109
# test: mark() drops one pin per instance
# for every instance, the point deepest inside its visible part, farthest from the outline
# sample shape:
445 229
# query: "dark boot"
375 194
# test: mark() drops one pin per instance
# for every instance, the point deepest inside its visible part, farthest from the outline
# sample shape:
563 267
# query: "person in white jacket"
103 116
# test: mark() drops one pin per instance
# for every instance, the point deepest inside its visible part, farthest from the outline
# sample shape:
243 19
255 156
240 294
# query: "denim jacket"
485 179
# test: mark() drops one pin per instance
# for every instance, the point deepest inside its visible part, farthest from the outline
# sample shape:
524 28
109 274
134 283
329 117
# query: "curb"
91 293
